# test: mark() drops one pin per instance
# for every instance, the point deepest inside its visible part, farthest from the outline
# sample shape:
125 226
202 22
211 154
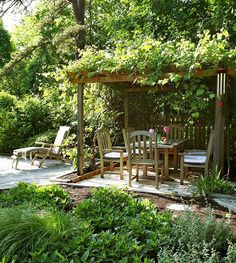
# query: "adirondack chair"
196 159
109 153
142 150
45 150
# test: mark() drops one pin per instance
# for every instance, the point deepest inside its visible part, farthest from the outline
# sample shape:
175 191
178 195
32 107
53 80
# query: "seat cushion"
192 159
196 152
114 155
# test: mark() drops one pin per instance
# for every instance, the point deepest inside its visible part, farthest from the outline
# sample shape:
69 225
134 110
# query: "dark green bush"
48 137
7 101
21 120
39 196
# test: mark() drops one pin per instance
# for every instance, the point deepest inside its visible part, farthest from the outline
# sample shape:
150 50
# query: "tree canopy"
135 36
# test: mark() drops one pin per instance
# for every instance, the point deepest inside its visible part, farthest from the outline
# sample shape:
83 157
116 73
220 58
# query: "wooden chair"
51 150
196 159
125 132
108 153
142 150
44 150
176 133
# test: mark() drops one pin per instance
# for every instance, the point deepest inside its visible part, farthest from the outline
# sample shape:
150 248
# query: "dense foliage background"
36 98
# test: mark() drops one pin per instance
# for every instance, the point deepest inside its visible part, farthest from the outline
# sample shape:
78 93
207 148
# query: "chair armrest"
44 144
119 148
192 154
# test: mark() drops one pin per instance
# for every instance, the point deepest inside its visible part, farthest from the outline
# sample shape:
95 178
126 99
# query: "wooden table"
174 146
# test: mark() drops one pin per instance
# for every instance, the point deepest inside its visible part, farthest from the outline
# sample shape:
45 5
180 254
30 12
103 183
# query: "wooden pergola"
129 82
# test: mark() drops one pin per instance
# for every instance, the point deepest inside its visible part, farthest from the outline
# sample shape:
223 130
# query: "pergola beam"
133 78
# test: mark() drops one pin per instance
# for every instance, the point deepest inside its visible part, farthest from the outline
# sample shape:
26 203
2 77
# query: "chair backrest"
142 145
176 132
62 135
104 140
210 146
125 132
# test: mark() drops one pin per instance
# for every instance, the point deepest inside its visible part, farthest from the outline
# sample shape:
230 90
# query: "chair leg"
182 170
157 177
130 174
15 162
42 161
186 172
102 169
112 166
121 166
162 173
175 159
137 173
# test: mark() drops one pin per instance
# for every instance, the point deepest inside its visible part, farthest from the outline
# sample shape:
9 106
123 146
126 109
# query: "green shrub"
110 226
38 196
36 236
33 116
7 101
231 253
191 231
21 120
114 214
48 137
213 183
171 256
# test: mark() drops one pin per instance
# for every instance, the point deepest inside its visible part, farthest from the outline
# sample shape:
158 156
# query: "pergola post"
218 149
126 109
80 129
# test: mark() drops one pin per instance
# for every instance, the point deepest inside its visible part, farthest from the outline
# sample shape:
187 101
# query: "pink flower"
152 131
166 129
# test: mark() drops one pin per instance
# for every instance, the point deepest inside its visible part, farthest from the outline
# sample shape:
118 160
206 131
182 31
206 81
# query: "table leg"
166 163
175 159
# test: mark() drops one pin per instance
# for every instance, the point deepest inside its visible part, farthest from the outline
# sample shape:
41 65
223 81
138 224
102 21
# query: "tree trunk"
79 12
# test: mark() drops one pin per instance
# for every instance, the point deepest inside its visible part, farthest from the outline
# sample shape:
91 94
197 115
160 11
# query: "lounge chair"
45 150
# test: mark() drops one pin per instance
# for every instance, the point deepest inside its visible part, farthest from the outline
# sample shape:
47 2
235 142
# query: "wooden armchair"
196 159
108 153
176 133
142 150
125 132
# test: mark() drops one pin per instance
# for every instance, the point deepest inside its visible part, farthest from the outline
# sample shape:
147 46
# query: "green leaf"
195 114
85 256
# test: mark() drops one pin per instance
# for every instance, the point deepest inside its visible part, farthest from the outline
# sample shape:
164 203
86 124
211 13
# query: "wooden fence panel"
197 133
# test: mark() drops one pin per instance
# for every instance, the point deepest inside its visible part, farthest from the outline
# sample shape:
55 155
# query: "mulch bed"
199 205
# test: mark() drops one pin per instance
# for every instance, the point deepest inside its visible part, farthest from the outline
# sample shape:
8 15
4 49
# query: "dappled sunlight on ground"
26 172
145 184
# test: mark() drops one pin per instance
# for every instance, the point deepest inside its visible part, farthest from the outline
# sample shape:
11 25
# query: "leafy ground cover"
108 225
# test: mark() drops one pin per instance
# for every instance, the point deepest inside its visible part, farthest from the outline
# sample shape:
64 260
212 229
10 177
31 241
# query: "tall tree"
5 46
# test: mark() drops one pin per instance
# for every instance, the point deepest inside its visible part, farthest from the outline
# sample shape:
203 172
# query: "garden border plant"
109 226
